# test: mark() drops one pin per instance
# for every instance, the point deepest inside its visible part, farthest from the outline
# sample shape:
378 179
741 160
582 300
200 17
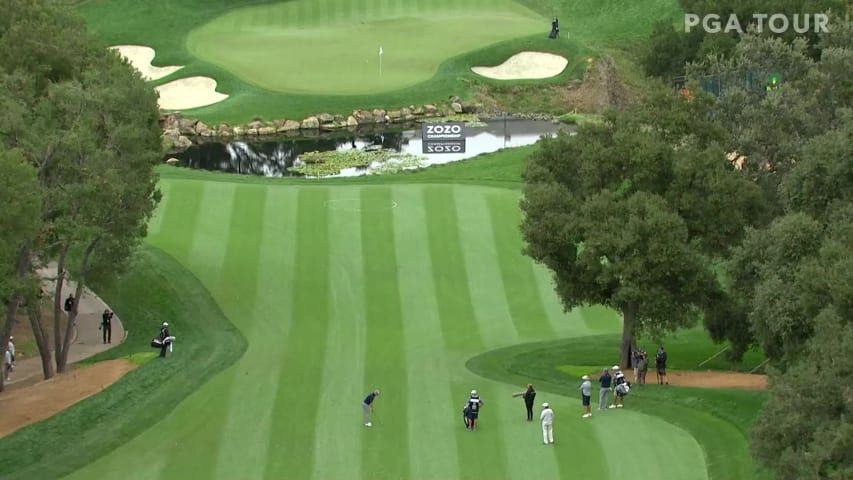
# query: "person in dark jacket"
660 365
69 303
107 326
529 396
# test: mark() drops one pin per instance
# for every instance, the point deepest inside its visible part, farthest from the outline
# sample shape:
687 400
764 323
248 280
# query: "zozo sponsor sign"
443 137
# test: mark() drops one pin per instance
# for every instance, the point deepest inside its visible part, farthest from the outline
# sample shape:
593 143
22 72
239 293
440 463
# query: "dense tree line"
734 211
79 139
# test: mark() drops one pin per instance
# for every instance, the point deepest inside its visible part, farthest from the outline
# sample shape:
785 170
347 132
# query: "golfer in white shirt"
547 417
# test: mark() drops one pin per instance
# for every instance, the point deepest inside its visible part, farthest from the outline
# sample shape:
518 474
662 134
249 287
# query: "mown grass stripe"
458 324
207 255
519 282
488 295
481 452
250 400
658 457
386 447
291 452
208 236
338 440
184 210
427 373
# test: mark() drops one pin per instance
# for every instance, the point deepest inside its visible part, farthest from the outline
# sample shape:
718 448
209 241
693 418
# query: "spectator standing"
660 365
586 392
107 326
604 392
644 367
529 396
635 362
367 406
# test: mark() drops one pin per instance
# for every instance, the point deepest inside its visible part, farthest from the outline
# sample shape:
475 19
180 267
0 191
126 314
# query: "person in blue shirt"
604 380
367 406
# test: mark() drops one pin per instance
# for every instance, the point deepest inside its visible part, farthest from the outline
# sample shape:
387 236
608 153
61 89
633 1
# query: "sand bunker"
525 66
140 57
191 92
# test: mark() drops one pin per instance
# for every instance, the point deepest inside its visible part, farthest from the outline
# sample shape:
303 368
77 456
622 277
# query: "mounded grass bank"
720 420
155 289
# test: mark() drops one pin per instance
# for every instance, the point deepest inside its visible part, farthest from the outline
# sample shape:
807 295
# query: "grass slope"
297 46
156 289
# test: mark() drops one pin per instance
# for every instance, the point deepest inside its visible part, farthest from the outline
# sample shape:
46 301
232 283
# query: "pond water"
273 157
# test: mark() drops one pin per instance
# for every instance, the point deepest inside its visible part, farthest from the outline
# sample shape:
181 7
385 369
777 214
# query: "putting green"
395 292
332 46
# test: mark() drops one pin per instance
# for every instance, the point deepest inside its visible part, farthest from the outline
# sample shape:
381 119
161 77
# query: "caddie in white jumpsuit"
547 417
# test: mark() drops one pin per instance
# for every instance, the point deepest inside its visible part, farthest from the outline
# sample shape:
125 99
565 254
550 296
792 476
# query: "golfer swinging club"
367 406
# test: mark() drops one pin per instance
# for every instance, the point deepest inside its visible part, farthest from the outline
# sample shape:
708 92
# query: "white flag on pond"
380 50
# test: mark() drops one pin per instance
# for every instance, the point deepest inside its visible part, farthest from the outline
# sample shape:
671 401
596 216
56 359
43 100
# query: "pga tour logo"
776 23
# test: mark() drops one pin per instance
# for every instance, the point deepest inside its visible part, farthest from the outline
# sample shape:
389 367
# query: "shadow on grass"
719 420
155 289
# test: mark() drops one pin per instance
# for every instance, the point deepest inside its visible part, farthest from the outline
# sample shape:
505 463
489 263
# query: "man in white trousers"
547 417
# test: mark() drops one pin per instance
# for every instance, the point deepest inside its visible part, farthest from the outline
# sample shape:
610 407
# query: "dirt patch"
600 90
32 403
748 381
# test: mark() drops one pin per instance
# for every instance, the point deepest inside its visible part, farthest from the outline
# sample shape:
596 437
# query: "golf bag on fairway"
465 412
623 389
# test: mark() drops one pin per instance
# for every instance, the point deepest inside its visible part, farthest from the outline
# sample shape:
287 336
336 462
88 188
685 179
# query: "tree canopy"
87 125
627 213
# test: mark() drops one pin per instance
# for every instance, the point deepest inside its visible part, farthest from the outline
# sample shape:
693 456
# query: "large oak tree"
629 213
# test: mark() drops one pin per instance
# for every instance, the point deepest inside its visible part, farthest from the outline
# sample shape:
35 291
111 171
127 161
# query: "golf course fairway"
332 46
342 289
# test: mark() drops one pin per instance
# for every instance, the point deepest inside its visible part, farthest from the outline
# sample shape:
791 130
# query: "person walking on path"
474 405
529 396
107 326
69 303
547 418
367 406
11 348
604 380
660 365
586 393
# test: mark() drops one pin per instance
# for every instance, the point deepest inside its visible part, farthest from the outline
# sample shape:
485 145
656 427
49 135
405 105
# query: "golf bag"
465 412
623 389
